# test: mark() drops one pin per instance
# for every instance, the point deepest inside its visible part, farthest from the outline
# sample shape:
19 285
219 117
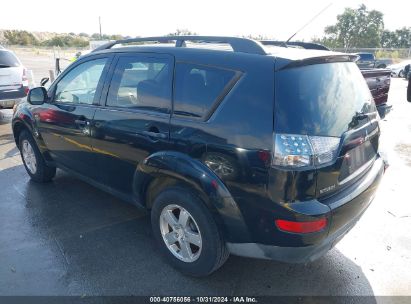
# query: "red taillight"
26 90
264 155
301 227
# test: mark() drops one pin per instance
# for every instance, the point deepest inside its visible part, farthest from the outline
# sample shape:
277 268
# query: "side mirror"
37 96
43 81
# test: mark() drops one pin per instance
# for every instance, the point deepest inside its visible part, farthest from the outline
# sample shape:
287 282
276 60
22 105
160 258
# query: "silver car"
13 79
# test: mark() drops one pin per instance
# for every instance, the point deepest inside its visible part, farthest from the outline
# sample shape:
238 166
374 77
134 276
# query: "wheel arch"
170 169
18 127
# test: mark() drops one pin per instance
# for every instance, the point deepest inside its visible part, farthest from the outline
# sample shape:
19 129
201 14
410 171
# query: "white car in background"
397 70
13 79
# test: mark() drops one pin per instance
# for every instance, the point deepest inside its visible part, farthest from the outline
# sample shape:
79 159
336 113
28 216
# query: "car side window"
143 83
197 88
80 84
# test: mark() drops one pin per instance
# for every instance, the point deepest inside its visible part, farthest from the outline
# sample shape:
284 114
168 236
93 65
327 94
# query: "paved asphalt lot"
68 238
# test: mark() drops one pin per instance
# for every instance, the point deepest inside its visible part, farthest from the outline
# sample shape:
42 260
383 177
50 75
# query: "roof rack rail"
304 45
243 45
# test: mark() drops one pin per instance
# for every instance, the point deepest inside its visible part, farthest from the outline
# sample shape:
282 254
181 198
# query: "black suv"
235 147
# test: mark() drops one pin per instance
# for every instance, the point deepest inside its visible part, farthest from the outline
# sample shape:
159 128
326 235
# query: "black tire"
43 172
213 252
401 74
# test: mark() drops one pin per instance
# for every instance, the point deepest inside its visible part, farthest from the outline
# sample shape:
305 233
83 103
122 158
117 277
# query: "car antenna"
311 20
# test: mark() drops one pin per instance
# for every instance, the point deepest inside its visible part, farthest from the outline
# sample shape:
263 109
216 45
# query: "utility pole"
99 23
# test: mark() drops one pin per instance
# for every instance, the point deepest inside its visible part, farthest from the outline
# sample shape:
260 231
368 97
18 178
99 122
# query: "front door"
134 122
64 122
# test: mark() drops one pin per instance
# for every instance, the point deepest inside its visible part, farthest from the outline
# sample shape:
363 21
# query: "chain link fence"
379 53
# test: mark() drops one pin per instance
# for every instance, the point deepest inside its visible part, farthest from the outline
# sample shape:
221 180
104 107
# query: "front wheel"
187 233
33 161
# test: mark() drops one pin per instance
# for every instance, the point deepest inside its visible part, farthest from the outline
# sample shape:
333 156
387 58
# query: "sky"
273 19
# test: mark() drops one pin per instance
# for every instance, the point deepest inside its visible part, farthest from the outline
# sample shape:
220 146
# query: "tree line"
363 28
26 38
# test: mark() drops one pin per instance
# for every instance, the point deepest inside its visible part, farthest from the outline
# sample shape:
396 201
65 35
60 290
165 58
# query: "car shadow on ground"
69 238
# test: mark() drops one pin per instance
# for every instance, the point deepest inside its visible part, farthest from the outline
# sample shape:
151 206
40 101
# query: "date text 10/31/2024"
203 300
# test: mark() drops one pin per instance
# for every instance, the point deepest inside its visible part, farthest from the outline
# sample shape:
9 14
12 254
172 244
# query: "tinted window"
322 99
80 84
7 59
142 83
366 57
197 88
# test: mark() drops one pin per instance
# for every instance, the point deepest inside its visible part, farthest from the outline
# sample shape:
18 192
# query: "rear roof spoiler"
304 45
334 57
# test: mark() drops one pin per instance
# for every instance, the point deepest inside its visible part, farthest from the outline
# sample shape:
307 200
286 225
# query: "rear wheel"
187 232
401 74
33 161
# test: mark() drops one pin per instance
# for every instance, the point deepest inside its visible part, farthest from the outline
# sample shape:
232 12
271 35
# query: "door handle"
154 134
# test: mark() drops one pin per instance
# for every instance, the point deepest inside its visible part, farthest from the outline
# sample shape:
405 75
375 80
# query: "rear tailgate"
357 153
11 74
11 78
330 104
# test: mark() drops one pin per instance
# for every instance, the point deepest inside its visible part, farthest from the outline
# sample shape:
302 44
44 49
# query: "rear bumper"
9 103
345 211
290 254
9 98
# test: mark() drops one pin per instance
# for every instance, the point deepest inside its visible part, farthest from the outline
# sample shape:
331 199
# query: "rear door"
134 121
64 123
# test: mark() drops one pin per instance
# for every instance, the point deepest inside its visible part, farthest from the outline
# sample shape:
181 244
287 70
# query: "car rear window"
369 57
322 99
8 59
198 87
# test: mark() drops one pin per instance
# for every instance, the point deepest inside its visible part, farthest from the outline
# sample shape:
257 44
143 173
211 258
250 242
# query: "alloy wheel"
180 233
29 157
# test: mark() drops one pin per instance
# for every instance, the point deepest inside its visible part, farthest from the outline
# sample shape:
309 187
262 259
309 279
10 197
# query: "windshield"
321 99
8 59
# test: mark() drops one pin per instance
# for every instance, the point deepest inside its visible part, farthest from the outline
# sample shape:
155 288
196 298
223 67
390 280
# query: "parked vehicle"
398 69
409 90
265 152
379 81
407 71
13 79
368 61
